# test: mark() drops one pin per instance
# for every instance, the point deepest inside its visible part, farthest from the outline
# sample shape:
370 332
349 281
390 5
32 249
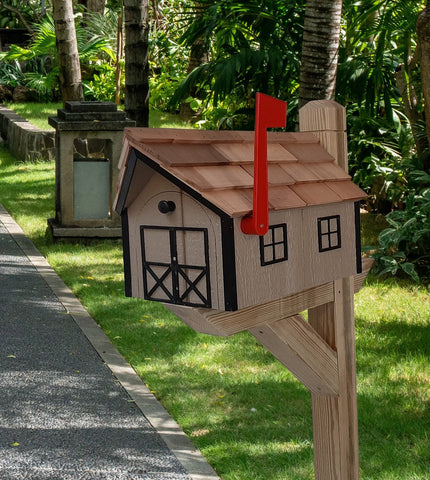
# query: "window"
329 233
273 245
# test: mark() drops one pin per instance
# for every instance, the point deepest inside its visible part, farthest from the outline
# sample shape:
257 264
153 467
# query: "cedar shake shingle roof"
219 166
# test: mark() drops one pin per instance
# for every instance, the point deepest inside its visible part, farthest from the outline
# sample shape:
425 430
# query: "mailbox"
238 231
183 195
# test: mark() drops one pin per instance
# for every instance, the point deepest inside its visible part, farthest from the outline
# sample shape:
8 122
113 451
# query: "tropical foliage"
40 58
250 47
20 13
212 56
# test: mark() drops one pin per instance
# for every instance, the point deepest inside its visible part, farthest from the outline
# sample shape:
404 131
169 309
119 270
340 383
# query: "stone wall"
25 141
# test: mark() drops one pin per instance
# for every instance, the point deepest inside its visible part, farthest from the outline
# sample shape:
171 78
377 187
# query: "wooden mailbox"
182 195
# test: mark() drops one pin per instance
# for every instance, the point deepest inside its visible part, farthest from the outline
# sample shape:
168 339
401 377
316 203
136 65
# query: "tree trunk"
136 18
119 49
411 101
320 50
198 56
67 51
423 32
95 6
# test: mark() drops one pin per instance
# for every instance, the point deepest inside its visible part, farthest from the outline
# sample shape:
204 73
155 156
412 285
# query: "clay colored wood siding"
306 265
188 216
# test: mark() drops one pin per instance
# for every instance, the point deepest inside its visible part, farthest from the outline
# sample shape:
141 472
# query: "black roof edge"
176 181
126 182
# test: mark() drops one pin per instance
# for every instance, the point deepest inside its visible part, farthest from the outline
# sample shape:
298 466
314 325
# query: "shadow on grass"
236 402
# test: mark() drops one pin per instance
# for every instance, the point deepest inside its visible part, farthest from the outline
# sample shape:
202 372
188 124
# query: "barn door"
176 265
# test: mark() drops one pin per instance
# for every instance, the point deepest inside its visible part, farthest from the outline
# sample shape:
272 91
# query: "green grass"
242 409
38 113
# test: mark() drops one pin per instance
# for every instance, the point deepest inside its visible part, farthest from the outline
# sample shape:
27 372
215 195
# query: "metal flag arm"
269 113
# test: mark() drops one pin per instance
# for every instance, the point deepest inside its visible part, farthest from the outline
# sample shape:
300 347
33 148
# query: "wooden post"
326 119
335 417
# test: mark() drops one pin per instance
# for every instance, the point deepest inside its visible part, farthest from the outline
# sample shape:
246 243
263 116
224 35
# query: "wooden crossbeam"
215 322
246 318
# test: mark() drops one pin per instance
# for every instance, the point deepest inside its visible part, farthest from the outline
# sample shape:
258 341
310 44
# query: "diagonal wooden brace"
299 347
321 354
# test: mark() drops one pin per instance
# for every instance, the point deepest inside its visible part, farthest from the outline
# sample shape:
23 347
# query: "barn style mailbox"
238 231
88 142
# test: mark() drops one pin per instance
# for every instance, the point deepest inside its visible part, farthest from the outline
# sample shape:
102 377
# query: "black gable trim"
128 177
358 237
229 264
126 253
179 183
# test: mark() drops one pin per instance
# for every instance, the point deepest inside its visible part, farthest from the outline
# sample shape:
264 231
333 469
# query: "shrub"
102 87
405 245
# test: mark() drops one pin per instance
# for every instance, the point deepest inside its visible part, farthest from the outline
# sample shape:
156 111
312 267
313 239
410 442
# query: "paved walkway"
70 406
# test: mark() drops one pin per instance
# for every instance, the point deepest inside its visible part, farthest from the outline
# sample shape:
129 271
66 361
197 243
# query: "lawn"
38 113
244 411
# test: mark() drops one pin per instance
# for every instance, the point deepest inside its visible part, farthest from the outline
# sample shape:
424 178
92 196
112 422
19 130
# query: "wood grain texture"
194 319
325 419
322 115
246 318
315 193
301 173
360 277
346 190
327 120
320 299
336 145
309 152
297 346
335 419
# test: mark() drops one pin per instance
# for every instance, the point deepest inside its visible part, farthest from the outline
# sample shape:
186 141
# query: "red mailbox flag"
269 113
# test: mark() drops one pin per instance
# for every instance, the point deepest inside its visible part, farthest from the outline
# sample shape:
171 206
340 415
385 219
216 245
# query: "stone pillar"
88 147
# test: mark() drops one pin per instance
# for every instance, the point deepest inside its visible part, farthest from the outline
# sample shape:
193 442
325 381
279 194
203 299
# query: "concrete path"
70 406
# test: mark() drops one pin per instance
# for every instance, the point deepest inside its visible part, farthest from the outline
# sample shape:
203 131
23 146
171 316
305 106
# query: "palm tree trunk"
423 31
198 56
320 50
67 50
119 49
136 18
97 6
411 101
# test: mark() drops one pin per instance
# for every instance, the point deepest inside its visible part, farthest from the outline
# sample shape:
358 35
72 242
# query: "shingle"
346 190
292 137
309 153
233 202
276 174
214 177
299 172
281 198
219 166
242 153
177 135
328 171
316 193
188 154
